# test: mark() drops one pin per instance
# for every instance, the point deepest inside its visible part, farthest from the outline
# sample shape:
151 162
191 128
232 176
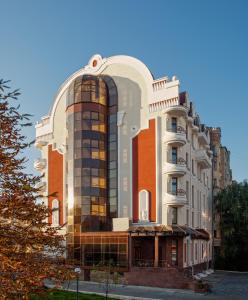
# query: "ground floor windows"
174 252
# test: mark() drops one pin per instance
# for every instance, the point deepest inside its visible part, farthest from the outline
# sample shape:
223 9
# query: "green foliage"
232 207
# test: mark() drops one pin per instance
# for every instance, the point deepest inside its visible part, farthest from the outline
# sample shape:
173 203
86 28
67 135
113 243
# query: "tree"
232 207
30 249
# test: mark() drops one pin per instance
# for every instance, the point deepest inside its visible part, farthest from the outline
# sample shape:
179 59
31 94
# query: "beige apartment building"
131 165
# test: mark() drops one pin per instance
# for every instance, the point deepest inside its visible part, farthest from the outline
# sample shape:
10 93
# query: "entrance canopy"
167 230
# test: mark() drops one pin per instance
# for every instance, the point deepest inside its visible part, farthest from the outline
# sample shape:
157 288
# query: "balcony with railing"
176 198
41 186
175 136
175 167
203 159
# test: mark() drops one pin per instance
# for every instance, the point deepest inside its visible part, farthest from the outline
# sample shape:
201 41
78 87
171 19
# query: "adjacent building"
222 176
127 166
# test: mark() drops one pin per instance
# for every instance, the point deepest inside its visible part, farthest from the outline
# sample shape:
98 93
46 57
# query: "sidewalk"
133 292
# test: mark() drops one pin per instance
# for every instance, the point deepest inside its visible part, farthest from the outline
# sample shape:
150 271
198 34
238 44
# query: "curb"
235 272
119 297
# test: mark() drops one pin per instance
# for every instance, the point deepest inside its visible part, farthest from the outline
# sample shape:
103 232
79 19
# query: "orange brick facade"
55 181
144 169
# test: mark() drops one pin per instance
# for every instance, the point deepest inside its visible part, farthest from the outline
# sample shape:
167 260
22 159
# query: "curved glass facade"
92 154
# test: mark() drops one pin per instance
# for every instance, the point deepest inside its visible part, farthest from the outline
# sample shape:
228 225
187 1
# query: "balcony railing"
178 161
178 129
178 192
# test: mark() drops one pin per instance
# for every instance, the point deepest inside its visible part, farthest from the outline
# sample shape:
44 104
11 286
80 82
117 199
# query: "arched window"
144 205
55 212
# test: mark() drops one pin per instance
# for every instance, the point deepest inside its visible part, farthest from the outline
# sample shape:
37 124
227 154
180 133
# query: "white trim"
103 64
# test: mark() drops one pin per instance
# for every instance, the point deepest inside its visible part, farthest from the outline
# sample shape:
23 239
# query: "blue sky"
204 43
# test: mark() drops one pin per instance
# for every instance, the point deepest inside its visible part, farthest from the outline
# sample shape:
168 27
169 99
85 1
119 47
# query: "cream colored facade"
183 155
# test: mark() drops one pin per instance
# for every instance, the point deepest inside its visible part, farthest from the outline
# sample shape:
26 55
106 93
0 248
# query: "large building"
127 163
222 176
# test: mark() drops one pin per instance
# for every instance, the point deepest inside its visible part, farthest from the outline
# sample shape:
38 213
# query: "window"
144 205
193 196
174 215
55 212
187 160
174 251
174 155
187 190
174 124
174 185
193 167
195 251
193 219
187 217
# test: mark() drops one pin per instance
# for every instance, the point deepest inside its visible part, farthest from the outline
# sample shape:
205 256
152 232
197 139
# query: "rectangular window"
195 251
187 190
193 219
193 167
174 155
174 215
187 160
193 197
187 217
174 124
185 252
174 246
174 185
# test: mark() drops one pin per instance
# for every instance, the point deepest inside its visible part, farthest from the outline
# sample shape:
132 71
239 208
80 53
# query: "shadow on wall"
129 102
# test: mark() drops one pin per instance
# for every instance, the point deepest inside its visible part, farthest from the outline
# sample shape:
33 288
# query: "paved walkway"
225 286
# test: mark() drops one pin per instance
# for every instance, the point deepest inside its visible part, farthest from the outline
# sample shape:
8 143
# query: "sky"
203 43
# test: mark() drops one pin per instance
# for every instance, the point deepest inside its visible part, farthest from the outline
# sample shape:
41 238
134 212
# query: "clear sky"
204 43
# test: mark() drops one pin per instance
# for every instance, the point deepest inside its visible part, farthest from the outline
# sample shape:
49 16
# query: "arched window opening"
144 205
55 212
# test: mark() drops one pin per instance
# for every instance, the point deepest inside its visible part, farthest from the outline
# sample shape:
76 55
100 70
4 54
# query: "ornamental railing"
178 192
178 129
178 161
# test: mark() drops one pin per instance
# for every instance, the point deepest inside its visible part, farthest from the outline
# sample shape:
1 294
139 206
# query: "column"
130 251
156 251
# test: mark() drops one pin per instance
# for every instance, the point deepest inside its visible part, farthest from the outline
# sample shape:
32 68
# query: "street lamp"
78 272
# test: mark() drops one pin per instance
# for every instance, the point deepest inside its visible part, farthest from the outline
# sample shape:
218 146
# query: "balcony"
175 168
177 198
41 186
217 242
203 159
175 137
177 110
203 139
40 164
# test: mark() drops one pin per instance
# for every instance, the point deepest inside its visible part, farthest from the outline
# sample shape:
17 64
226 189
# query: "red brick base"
159 277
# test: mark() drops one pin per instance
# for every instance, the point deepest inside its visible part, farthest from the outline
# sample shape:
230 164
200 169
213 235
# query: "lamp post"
78 272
